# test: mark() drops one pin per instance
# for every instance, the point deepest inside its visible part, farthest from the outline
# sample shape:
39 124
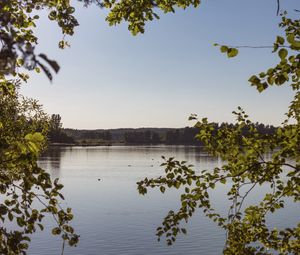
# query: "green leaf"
282 53
177 184
223 49
223 181
20 221
56 231
232 52
41 226
3 209
280 40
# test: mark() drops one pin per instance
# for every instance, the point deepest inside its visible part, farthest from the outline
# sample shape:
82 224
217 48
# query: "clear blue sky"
111 79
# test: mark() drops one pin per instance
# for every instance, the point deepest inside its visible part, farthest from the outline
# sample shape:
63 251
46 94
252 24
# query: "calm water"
112 218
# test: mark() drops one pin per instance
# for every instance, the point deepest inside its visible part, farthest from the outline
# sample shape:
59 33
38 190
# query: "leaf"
20 221
46 71
223 49
223 181
52 63
177 184
37 137
56 231
282 53
41 226
3 209
291 40
232 52
10 216
280 40
254 80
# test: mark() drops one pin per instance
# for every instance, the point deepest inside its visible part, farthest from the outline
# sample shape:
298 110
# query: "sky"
111 79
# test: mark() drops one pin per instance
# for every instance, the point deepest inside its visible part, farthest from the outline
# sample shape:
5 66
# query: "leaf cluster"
137 12
250 160
18 40
23 127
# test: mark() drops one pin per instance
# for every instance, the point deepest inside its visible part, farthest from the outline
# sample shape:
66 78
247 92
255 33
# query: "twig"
63 247
246 194
258 47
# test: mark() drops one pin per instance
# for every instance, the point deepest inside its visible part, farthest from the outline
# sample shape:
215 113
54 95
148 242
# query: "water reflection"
67 161
112 218
51 160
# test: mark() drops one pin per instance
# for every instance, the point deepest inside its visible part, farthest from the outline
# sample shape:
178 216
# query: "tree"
107 135
18 20
23 127
55 122
243 148
56 133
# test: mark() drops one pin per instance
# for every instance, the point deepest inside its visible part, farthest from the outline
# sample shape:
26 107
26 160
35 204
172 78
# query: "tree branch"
258 47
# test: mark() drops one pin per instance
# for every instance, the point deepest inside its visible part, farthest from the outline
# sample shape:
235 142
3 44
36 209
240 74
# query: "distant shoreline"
115 144
142 136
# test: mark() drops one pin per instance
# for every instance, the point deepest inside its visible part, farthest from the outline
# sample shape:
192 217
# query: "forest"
137 136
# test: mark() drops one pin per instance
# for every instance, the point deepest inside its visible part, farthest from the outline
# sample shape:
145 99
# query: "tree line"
139 136
185 136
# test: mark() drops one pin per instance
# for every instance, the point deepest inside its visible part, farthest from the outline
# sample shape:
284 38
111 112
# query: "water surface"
112 218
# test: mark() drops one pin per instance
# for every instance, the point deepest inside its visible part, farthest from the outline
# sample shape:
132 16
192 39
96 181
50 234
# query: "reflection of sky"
113 160
113 219
112 79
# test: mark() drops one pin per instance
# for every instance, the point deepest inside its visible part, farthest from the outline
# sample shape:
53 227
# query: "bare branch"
258 47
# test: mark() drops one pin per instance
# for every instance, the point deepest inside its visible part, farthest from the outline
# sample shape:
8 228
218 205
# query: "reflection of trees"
51 160
197 154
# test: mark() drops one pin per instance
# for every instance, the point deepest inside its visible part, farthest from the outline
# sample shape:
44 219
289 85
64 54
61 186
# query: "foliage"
17 21
55 122
23 127
143 137
138 12
246 166
56 133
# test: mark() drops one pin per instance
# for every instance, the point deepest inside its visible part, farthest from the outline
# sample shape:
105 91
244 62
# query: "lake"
112 218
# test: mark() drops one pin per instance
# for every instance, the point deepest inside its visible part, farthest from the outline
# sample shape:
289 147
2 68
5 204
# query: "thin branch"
258 47
278 7
63 247
278 198
244 197
45 205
